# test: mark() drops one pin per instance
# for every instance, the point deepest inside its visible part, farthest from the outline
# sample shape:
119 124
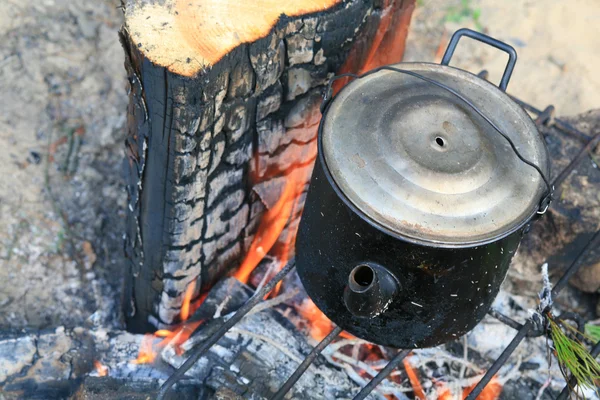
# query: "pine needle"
593 332
574 357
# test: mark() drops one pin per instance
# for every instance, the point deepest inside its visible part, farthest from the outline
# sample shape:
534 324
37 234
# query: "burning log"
94 388
258 354
251 361
223 113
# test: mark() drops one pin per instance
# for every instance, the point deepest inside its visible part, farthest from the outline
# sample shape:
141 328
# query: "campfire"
310 218
270 250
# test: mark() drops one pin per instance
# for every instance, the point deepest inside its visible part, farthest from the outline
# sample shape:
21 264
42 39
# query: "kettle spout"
370 290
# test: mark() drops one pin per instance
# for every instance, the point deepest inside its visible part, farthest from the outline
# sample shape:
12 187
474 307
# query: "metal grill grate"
528 329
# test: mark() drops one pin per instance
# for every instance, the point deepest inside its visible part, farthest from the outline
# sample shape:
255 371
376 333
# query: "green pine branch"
573 356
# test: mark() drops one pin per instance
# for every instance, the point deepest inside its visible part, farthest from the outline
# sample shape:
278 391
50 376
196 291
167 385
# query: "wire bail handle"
510 66
512 54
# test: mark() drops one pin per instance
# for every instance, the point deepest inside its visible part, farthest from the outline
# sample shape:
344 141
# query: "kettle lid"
417 161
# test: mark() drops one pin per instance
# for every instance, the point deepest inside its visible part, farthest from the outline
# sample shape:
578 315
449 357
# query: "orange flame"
319 324
347 335
149 348
414 380
187 299
147 354
101 369
386 46
491 392
179 336
269 230
443 392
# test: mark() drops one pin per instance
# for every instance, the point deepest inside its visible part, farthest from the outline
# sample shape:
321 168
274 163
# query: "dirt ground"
62 118
556 41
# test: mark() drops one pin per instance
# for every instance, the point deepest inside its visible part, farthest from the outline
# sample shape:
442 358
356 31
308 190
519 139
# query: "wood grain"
186 36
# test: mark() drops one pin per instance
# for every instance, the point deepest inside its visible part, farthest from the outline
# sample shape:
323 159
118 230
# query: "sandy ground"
62 117
557 43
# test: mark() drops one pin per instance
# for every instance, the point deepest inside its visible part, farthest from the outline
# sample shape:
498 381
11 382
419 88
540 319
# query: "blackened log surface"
56 364
52 364
575 213
250 362
107 388
205 153
46 364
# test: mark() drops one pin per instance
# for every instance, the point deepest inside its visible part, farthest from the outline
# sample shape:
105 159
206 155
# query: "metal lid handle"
512 54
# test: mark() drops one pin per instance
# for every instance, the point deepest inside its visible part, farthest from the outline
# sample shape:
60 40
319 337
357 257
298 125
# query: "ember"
414 380
491 392
444 392
187 300
101 369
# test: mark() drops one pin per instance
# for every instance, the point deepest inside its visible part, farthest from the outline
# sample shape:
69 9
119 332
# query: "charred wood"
251 361
215 126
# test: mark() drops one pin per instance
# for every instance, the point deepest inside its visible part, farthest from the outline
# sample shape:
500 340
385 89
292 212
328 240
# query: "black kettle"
426 179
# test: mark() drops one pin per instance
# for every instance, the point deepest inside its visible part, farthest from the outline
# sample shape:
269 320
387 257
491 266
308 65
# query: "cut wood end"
186 36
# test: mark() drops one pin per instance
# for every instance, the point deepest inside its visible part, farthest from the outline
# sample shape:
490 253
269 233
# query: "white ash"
261 351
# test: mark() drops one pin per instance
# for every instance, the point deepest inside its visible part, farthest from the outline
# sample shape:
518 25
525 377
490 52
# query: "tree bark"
224 100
